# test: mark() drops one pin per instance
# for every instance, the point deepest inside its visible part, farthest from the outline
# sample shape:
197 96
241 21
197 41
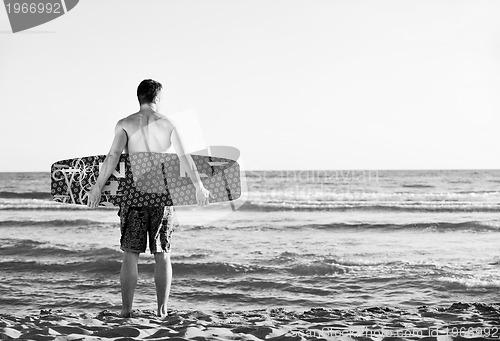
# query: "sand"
471 321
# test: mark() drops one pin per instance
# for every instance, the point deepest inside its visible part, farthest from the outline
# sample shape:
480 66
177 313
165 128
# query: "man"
146 131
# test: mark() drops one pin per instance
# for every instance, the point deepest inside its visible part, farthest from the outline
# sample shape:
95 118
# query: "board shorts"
138 224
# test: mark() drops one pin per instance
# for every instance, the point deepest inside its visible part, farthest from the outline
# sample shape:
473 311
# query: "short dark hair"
148 90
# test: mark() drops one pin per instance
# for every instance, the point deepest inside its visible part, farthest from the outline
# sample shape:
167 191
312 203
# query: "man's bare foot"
162 312
126 314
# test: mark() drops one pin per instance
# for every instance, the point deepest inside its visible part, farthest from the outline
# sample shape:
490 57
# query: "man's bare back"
147 131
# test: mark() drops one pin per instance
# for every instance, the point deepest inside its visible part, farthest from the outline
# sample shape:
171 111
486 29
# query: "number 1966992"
34 7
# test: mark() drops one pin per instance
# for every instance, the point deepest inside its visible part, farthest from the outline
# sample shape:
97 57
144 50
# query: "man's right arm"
109 165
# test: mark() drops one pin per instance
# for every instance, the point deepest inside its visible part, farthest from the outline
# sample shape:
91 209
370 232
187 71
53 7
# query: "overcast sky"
292 84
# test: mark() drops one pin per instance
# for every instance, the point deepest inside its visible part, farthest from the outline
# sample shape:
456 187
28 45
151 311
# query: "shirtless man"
146 131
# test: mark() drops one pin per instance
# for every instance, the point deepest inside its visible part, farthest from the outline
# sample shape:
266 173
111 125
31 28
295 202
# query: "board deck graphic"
145 179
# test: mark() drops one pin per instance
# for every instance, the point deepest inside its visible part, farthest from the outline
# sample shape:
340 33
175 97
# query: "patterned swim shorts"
140 223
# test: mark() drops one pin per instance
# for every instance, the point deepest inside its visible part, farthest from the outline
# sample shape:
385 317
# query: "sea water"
302 239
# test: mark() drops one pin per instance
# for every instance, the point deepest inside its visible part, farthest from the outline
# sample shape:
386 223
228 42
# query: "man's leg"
128 280
163 280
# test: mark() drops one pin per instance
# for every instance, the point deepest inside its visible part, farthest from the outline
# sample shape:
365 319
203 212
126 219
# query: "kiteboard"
147 179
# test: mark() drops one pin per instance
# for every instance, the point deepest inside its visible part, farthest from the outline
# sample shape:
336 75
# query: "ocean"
300 239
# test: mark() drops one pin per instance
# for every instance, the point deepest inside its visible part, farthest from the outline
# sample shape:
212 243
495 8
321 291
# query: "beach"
308 255
456 322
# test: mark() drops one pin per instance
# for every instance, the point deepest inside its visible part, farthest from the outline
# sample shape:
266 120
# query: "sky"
316 84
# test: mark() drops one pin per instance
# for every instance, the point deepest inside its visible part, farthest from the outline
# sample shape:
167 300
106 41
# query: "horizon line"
330 170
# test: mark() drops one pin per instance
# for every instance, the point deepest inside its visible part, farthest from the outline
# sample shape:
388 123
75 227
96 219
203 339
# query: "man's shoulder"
127 121
134 119
130 118
166 121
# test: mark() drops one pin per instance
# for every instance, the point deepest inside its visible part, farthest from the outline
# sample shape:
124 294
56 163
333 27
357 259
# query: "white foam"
473 281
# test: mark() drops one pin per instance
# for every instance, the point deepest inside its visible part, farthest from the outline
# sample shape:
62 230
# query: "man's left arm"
109 165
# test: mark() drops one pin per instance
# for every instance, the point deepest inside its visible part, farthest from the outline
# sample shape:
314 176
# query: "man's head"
148 91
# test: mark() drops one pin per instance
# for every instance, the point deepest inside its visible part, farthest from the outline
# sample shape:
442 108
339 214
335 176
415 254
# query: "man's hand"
202 195
93 197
